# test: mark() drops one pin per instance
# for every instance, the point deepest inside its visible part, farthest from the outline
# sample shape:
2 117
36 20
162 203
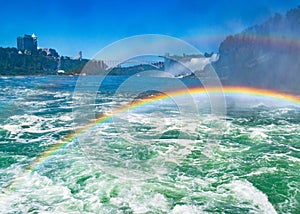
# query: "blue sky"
89 25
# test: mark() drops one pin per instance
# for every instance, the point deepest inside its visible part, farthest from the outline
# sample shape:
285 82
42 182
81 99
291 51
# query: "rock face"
266 55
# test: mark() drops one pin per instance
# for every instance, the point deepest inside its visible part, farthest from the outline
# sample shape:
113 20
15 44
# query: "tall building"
80 55
27 42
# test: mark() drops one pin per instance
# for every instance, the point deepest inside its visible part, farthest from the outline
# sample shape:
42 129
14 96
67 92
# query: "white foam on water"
257 133
18 124
40 193
14 129
186 209
263 170
65 118
141 201
56 188
61 95
285 156
229 149
244 190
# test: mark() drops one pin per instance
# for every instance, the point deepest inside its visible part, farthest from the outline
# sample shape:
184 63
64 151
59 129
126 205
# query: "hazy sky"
89 25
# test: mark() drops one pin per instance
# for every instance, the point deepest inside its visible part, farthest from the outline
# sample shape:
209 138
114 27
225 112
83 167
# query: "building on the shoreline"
27 43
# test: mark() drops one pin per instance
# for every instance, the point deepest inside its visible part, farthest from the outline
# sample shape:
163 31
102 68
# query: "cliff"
265 55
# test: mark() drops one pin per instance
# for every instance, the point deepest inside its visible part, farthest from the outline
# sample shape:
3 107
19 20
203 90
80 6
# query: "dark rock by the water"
265 55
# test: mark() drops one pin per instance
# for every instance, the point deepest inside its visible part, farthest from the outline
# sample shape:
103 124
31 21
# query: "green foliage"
35 63
72 66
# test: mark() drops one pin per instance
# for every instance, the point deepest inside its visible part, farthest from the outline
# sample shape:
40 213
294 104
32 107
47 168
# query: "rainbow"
227 90
106 117
271 41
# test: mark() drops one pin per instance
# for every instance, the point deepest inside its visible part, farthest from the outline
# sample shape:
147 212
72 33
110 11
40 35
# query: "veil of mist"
265 55
149 107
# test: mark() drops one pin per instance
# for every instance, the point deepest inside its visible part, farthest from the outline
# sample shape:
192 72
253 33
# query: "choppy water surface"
144 160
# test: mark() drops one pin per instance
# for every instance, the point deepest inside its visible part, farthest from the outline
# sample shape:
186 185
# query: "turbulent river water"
148 159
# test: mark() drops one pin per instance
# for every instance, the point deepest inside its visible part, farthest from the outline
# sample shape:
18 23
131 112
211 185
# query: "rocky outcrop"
266 55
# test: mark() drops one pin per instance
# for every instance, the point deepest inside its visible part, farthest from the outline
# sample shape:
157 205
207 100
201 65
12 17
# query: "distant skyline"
89 25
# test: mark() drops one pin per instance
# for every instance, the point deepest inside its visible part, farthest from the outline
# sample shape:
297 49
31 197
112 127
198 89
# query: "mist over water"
264 55
146 159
